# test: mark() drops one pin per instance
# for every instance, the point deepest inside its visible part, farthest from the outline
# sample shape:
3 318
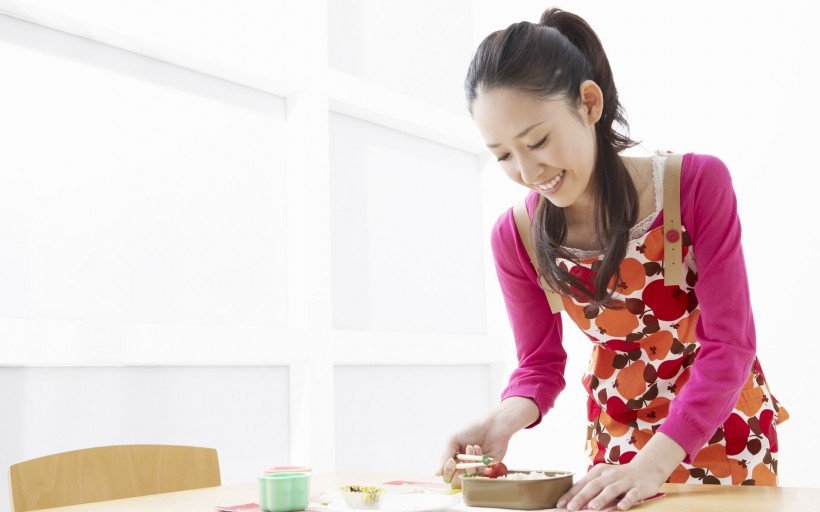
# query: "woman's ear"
592 101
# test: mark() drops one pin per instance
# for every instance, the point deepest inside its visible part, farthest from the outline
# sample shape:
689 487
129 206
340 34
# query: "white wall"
427 396
60 408
138 200
171 217
419 48
398 267
165 242
114 167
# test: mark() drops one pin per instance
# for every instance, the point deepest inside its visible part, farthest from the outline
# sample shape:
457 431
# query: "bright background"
263 226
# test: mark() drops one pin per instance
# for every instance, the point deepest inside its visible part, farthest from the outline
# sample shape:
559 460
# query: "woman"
675 389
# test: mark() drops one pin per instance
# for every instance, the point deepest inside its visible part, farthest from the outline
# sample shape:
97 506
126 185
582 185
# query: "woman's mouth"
552 185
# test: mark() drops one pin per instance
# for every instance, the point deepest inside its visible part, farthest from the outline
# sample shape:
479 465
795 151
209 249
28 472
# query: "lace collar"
642 226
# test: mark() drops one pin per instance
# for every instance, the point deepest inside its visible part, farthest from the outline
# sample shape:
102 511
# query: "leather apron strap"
672 234
522 223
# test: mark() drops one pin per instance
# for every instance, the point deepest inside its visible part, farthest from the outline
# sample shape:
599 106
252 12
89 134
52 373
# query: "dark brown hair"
552 59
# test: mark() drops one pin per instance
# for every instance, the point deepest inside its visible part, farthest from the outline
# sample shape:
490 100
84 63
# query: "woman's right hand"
489 436
476 439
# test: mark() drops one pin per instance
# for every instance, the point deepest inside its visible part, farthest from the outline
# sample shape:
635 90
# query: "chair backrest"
110 472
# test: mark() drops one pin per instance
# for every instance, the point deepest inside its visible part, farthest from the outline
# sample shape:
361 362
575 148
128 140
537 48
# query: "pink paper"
433 485
246 507
614 505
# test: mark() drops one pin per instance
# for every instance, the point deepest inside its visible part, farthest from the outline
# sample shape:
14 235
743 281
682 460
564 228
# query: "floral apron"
641 360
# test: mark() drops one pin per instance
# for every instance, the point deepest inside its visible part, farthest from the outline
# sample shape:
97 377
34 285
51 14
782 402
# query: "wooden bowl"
514 493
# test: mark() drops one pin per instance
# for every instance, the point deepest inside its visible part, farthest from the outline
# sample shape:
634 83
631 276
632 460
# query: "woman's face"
545 145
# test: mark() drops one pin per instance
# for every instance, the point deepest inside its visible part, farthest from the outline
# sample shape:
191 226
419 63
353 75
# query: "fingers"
631 499
448 470
607 496
579 485
447 464
588 497
472 449
450 450
597 489
605 487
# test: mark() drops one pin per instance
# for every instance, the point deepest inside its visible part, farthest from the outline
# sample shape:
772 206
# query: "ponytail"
552 59
581 35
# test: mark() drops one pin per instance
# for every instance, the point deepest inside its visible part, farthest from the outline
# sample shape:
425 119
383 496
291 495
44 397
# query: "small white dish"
422 502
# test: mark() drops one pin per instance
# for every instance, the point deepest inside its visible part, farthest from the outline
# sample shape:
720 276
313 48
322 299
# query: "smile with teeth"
546 187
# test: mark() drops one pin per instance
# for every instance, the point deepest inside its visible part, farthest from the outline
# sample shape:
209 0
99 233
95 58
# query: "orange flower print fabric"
644 347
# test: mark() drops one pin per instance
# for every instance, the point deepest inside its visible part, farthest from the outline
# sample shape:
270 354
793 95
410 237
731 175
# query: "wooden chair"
110 472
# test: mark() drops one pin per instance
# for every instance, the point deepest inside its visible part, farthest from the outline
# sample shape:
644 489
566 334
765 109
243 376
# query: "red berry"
495 470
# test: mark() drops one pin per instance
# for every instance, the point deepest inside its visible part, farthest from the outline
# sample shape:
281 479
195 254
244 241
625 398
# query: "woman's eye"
538 144
503 157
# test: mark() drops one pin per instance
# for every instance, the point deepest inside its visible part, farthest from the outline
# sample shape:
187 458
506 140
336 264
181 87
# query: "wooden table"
680 497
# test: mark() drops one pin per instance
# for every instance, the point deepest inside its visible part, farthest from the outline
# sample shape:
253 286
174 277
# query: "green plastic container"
284 492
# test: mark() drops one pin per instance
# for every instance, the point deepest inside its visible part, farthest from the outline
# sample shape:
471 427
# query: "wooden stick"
470 465
484 459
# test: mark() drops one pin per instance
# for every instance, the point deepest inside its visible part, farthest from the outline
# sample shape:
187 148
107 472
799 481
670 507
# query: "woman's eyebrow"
526 131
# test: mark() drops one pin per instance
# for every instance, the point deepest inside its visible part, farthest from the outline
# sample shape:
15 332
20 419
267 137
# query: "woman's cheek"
512 172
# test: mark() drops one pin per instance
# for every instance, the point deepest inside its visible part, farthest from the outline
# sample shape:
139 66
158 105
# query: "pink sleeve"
725 329
537 331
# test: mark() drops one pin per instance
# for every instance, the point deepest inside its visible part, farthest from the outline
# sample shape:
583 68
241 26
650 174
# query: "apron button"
672 235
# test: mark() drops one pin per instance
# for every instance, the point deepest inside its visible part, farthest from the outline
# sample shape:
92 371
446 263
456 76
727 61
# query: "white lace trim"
642 226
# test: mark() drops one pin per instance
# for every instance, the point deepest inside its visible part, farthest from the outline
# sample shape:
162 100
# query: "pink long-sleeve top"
725 329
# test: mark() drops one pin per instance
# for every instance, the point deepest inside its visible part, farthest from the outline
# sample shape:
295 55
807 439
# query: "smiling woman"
290 199
642 252
561 135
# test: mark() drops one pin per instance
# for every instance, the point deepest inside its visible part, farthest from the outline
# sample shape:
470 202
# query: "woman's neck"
580 216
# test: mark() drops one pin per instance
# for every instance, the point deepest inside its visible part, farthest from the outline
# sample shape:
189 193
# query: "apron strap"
672 245
522 224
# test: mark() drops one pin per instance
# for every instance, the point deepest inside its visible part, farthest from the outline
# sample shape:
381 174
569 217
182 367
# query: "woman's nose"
529 168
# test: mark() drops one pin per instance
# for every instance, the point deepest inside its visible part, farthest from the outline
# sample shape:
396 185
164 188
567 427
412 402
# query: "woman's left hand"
628 484
624 485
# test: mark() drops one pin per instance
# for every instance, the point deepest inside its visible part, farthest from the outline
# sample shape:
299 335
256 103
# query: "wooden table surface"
688 498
